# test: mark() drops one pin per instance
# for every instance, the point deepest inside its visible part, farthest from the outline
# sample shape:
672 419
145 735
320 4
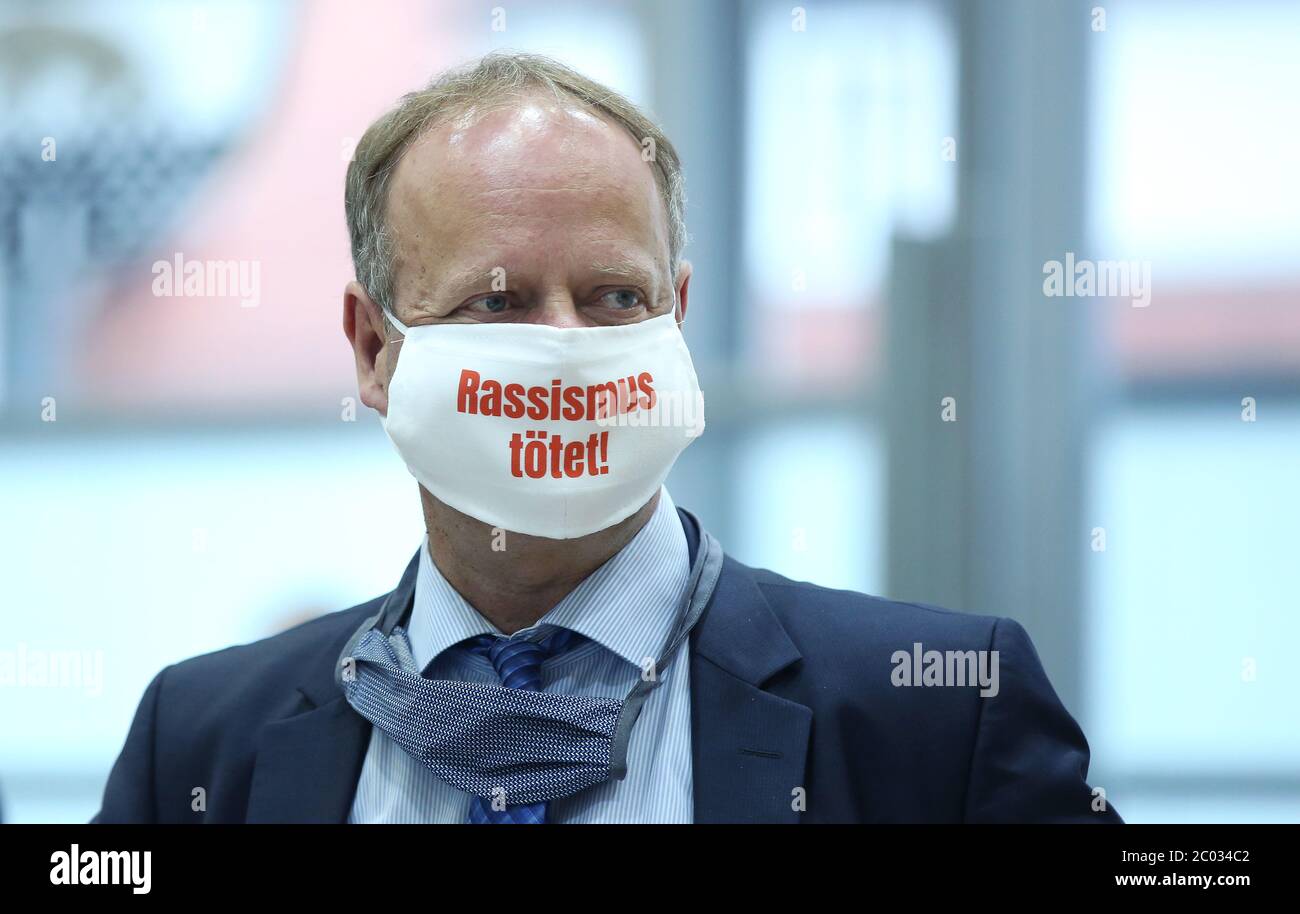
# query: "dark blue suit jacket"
792 704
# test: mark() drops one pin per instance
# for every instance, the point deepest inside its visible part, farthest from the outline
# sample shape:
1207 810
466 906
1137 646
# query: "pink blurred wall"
277 200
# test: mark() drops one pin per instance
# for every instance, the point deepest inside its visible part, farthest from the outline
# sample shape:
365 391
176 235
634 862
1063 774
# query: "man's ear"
363 322
682 283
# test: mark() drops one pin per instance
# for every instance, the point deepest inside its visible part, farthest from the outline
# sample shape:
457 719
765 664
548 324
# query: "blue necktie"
518 663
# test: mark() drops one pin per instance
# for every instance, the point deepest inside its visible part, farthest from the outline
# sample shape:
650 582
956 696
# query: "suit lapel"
308 765
748 745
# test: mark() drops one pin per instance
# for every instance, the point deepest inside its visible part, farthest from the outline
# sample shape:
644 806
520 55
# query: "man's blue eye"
496 303
622 298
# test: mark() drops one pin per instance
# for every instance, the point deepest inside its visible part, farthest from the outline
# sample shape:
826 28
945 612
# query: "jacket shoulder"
995 744
291 651
821 616
199 721
206 698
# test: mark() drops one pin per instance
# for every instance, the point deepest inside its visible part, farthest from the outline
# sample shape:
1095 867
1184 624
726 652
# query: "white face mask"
541 430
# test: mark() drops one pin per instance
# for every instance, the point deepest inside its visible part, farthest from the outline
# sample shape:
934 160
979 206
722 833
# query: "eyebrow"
456 286
625 267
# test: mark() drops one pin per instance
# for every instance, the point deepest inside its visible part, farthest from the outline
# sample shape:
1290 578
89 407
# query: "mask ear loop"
396 323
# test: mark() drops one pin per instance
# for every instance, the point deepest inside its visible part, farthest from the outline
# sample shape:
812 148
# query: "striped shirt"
626 608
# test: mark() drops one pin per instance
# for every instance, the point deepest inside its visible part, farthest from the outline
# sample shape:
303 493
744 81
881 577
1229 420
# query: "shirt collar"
627 605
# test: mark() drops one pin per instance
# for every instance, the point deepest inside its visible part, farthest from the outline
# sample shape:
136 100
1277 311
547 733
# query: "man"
566 645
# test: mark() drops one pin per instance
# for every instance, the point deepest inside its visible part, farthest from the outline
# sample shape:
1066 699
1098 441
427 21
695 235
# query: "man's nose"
559 310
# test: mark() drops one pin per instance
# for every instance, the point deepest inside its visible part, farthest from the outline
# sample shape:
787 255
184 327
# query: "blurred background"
875 190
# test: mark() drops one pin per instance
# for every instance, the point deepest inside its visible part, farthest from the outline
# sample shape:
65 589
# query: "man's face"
538 212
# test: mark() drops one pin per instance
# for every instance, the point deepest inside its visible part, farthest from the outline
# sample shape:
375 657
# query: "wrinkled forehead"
532 171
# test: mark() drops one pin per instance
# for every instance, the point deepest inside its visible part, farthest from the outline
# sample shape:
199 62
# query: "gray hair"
496 79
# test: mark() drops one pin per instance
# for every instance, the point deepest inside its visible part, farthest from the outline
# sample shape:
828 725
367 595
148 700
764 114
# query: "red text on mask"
480 397
537 454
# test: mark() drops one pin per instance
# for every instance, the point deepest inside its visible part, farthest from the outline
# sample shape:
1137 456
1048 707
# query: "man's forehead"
529 143
520 176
